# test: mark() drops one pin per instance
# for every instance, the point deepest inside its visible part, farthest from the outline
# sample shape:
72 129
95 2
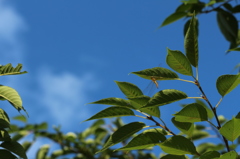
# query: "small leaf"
178 145
185 127
122 133
226 83
148 138
229 155
210 154
179 62
42 152
4 154
129 89
173 17
113 101
159 73
168 156
164 97
9 70
14 147
231 129
191 42
4 119
192 113
20 118
112 112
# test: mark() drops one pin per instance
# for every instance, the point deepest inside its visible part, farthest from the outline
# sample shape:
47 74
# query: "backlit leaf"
42 152
226 83
113 101
185 127
4 119
129 89
229 155
210 154
173 17
9 70
231 129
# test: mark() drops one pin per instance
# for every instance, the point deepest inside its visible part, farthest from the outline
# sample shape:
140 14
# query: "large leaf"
113 101
9 70
226 83
229 155
4 154
185 127
178 145
12 96
231 129
209 111
173 17
123 133
158 73
210 154
139 102
14 147
164 97
168 156
42 152
129 89
148 138
192 113
178 62
191 42
112 112
228 25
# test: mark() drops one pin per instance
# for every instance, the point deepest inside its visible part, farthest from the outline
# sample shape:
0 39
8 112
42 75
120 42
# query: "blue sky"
74 50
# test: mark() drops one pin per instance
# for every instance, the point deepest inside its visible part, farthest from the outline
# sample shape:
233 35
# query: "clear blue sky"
75 49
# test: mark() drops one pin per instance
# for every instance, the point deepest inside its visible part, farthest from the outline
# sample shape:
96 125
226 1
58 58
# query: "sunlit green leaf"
173 17
164 97
123 133
159 73
9 70
178 145
112 112
226 83
113 101
42 152
229 155
14 147
231 129
210 154
191 42
179 62
185 127
192 113
148 138
20 118
209 111
129 89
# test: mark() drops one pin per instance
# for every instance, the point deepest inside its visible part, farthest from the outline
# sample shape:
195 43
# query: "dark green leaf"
191 42
14 147
197 134
173 17
113 101
209 111
174 157
4 119
210 154
123 133
185 127
4 136
231 129
42 152
158 73
192 113
148 138
226 83
235 49
165 97
129 89
4 154
112 112
236 9
178 145
178 62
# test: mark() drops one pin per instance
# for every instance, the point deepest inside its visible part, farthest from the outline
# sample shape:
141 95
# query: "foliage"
187 120
226 17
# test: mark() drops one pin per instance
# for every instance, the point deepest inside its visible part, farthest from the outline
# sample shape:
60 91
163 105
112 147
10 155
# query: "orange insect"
154 81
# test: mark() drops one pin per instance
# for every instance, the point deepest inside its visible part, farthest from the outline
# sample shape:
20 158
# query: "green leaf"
228 25
185 127
9 70
168 156
186 26
229 155
42 152
12 96
20 118
191 42
178 145
235 49
4 119
14 147
192 113
173 17
231 129
113 101
129 89
209 111
4 154
122 133
158 73
164 97
210 154
197 134
178 62
112 112
226 83
4 136
148 138
139 102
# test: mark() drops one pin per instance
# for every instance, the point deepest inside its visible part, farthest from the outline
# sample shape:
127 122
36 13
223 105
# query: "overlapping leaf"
210 154
14 147
185 127
129 89
4 119
226 83
113 101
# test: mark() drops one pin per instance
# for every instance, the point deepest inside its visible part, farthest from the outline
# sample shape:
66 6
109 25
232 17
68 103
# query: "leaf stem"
218 103
185 80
